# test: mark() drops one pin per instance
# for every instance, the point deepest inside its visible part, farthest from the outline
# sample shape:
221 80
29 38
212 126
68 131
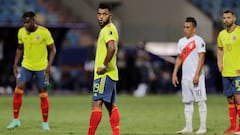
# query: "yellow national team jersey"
107 33
35 47
230 42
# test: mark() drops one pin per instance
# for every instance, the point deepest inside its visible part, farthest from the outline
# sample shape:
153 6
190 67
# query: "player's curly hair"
228 11
30 14
192 20
105 5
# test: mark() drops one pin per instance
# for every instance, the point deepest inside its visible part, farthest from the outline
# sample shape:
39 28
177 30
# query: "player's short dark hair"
228 11
30 14
192 20
105 5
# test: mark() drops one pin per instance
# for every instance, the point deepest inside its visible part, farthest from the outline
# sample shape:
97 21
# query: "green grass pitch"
151 115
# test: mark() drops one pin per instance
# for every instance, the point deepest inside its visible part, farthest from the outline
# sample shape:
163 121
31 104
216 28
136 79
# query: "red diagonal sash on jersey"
188 49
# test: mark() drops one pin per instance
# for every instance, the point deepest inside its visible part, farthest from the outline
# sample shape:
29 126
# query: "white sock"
141 90
202 108
188 111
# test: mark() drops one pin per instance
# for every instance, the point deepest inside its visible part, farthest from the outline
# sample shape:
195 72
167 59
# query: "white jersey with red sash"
189 48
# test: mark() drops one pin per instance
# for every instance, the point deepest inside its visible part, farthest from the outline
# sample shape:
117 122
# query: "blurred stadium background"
148 30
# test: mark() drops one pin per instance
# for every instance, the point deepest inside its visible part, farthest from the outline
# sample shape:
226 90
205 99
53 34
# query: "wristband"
103 66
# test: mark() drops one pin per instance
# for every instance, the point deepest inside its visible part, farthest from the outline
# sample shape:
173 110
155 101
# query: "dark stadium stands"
11 10
75 44
214 8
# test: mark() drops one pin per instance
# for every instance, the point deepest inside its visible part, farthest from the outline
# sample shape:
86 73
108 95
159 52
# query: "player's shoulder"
42 28
182 39
197 37
109 25
238 27
109 28
21 29
223 31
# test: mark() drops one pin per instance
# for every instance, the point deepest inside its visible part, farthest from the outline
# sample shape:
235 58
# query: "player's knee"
97 104
202 106
188 106
19 90
43 94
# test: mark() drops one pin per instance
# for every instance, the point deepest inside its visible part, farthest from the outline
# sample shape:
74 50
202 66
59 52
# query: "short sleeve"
48 38
109 35
179 47
219 42
201 45
20 37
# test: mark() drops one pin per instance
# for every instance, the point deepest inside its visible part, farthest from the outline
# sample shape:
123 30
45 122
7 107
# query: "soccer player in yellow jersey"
105 72
34 41
228 54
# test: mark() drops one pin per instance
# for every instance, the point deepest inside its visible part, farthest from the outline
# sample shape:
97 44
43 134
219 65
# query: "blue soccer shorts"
104 89
26 75
231 86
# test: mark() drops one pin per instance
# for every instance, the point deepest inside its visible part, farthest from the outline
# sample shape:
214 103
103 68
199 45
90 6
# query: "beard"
228 24
102 24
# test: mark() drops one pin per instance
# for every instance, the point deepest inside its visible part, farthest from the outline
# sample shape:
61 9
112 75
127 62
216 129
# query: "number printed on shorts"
198 92
237 84
96 87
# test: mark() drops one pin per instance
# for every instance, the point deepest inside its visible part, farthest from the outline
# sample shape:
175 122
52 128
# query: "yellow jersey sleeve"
19 36
48 37
219 40
109 34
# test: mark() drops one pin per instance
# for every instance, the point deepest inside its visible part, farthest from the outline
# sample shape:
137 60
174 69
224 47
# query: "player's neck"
106 23
34 28
189 36
232 28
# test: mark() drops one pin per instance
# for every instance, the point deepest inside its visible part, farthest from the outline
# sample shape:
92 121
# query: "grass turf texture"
151 115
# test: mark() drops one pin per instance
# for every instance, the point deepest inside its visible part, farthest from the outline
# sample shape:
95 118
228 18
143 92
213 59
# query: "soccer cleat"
237 131
184 130
201 131
45 126
229 130
15 123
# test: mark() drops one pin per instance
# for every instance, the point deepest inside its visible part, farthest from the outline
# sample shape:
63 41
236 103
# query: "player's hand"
220 67
175 81
48 70
238 71
195 80
15 71
101 70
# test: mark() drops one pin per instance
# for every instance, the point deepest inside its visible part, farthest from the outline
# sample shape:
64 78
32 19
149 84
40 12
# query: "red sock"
95 119
238 112
17 102
44 105
232 112
115 121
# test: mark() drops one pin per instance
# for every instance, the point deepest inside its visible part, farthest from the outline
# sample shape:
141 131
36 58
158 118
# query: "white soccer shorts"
194 93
